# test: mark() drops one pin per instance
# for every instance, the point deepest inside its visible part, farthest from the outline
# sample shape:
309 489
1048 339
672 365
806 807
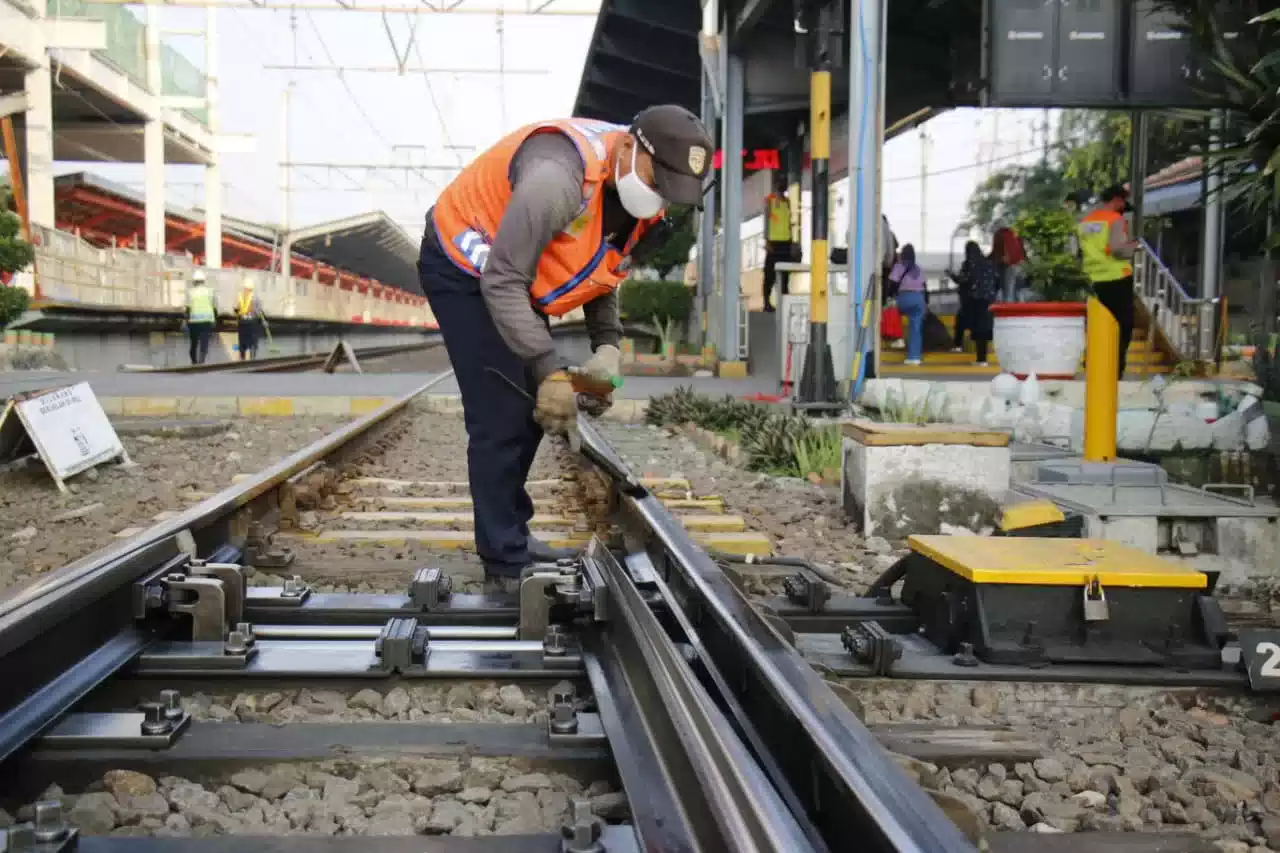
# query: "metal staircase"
1180 326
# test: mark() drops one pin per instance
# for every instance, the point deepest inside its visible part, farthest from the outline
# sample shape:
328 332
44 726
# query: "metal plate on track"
1054 562
1146 500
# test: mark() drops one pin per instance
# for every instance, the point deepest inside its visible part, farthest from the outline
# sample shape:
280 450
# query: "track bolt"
49 823
554 641
582 833
154 721
247 630
237 643
293 587
564 717
965 657
172 702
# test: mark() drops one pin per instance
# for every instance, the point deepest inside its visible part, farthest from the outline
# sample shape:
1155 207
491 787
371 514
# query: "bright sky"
374 118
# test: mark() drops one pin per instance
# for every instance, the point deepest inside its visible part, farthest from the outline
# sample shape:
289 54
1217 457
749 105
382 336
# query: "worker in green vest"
1106 251
202 315
777 237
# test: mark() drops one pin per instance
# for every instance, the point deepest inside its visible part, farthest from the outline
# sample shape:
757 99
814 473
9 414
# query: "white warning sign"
66 427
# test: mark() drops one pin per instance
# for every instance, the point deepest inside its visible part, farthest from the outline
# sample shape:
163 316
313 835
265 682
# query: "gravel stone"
94 813
369 699
136 809
252 781
396 703
170 473
127 783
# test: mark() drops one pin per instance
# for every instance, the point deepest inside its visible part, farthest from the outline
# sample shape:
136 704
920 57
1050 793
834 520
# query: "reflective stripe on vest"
779 220
1095 247
244 306
578 265
201 305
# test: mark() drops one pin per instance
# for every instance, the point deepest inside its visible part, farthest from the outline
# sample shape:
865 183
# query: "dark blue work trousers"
502 436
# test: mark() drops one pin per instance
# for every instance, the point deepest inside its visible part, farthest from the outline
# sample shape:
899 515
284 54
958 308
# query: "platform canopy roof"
370 244
357 251
645 52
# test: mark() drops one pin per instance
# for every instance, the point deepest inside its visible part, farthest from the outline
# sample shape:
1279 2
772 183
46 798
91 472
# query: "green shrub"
1054 272
770 441
820 451
13 301
15 252
662 305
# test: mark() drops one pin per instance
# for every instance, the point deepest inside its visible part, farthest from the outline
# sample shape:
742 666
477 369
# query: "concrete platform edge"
334 405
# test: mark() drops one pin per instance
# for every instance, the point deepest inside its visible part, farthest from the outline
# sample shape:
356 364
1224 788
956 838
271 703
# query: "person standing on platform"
979 283
1106 251
201 315
778 243
906 279
547 220
249 320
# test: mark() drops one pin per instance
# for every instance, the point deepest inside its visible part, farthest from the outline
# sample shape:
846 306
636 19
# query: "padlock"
1095 602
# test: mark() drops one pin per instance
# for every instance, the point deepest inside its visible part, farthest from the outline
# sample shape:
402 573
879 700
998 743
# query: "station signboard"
1108 54
1165 70
1048 53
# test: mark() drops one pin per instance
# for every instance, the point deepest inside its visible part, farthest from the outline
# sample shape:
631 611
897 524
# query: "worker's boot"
541 552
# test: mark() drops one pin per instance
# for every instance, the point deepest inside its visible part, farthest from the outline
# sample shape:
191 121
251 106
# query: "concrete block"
326 406
897 490
364 405
733 370
266 407
149 406
1141 532
1255 542
220 407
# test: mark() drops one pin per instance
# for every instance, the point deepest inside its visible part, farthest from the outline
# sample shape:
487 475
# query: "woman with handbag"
906 280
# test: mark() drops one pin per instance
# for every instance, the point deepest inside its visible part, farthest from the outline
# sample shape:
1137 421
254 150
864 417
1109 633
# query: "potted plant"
1044 336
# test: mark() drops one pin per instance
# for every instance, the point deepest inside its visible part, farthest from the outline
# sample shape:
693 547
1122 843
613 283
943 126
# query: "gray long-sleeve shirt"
546 195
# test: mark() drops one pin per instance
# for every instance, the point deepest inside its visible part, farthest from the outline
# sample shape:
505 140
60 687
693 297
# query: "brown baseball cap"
681 150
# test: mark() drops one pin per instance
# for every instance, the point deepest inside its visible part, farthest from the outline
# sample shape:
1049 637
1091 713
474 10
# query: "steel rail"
828 758
87 605
727 802
282 363
69 581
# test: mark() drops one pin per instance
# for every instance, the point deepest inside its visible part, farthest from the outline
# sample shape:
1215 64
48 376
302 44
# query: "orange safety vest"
578 264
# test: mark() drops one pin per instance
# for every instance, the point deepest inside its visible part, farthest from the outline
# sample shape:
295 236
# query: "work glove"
556 408
605 364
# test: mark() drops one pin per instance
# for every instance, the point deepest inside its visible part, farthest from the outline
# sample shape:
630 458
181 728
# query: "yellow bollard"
1101 382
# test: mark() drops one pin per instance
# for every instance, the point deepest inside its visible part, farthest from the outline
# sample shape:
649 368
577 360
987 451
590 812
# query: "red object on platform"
891 323
1038 309
753 160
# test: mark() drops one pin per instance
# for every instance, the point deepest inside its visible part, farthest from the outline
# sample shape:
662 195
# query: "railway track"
645 704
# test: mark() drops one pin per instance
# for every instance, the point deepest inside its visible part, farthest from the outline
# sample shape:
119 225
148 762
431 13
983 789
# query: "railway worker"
201 315
545 221
249 320
1107 254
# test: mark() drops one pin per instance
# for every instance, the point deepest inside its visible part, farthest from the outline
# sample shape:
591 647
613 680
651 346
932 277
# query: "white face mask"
641 200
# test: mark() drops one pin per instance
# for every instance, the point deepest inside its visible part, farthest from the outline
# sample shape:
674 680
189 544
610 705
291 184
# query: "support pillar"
866 234
286 203
39 146
153 139
731 220
706 224
1138 172
1211 242
1101 380
212 172
817 381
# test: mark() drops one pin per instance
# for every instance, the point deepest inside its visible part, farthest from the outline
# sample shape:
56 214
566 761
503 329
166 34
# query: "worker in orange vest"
1106 253
545 221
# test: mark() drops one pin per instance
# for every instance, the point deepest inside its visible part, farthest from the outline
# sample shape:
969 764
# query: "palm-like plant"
1245 73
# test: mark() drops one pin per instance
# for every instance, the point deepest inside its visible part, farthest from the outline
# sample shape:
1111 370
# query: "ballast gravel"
457 702
442 796
1116 759
42 529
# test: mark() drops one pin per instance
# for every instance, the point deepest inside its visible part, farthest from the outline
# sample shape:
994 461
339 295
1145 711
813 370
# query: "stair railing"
1186 322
